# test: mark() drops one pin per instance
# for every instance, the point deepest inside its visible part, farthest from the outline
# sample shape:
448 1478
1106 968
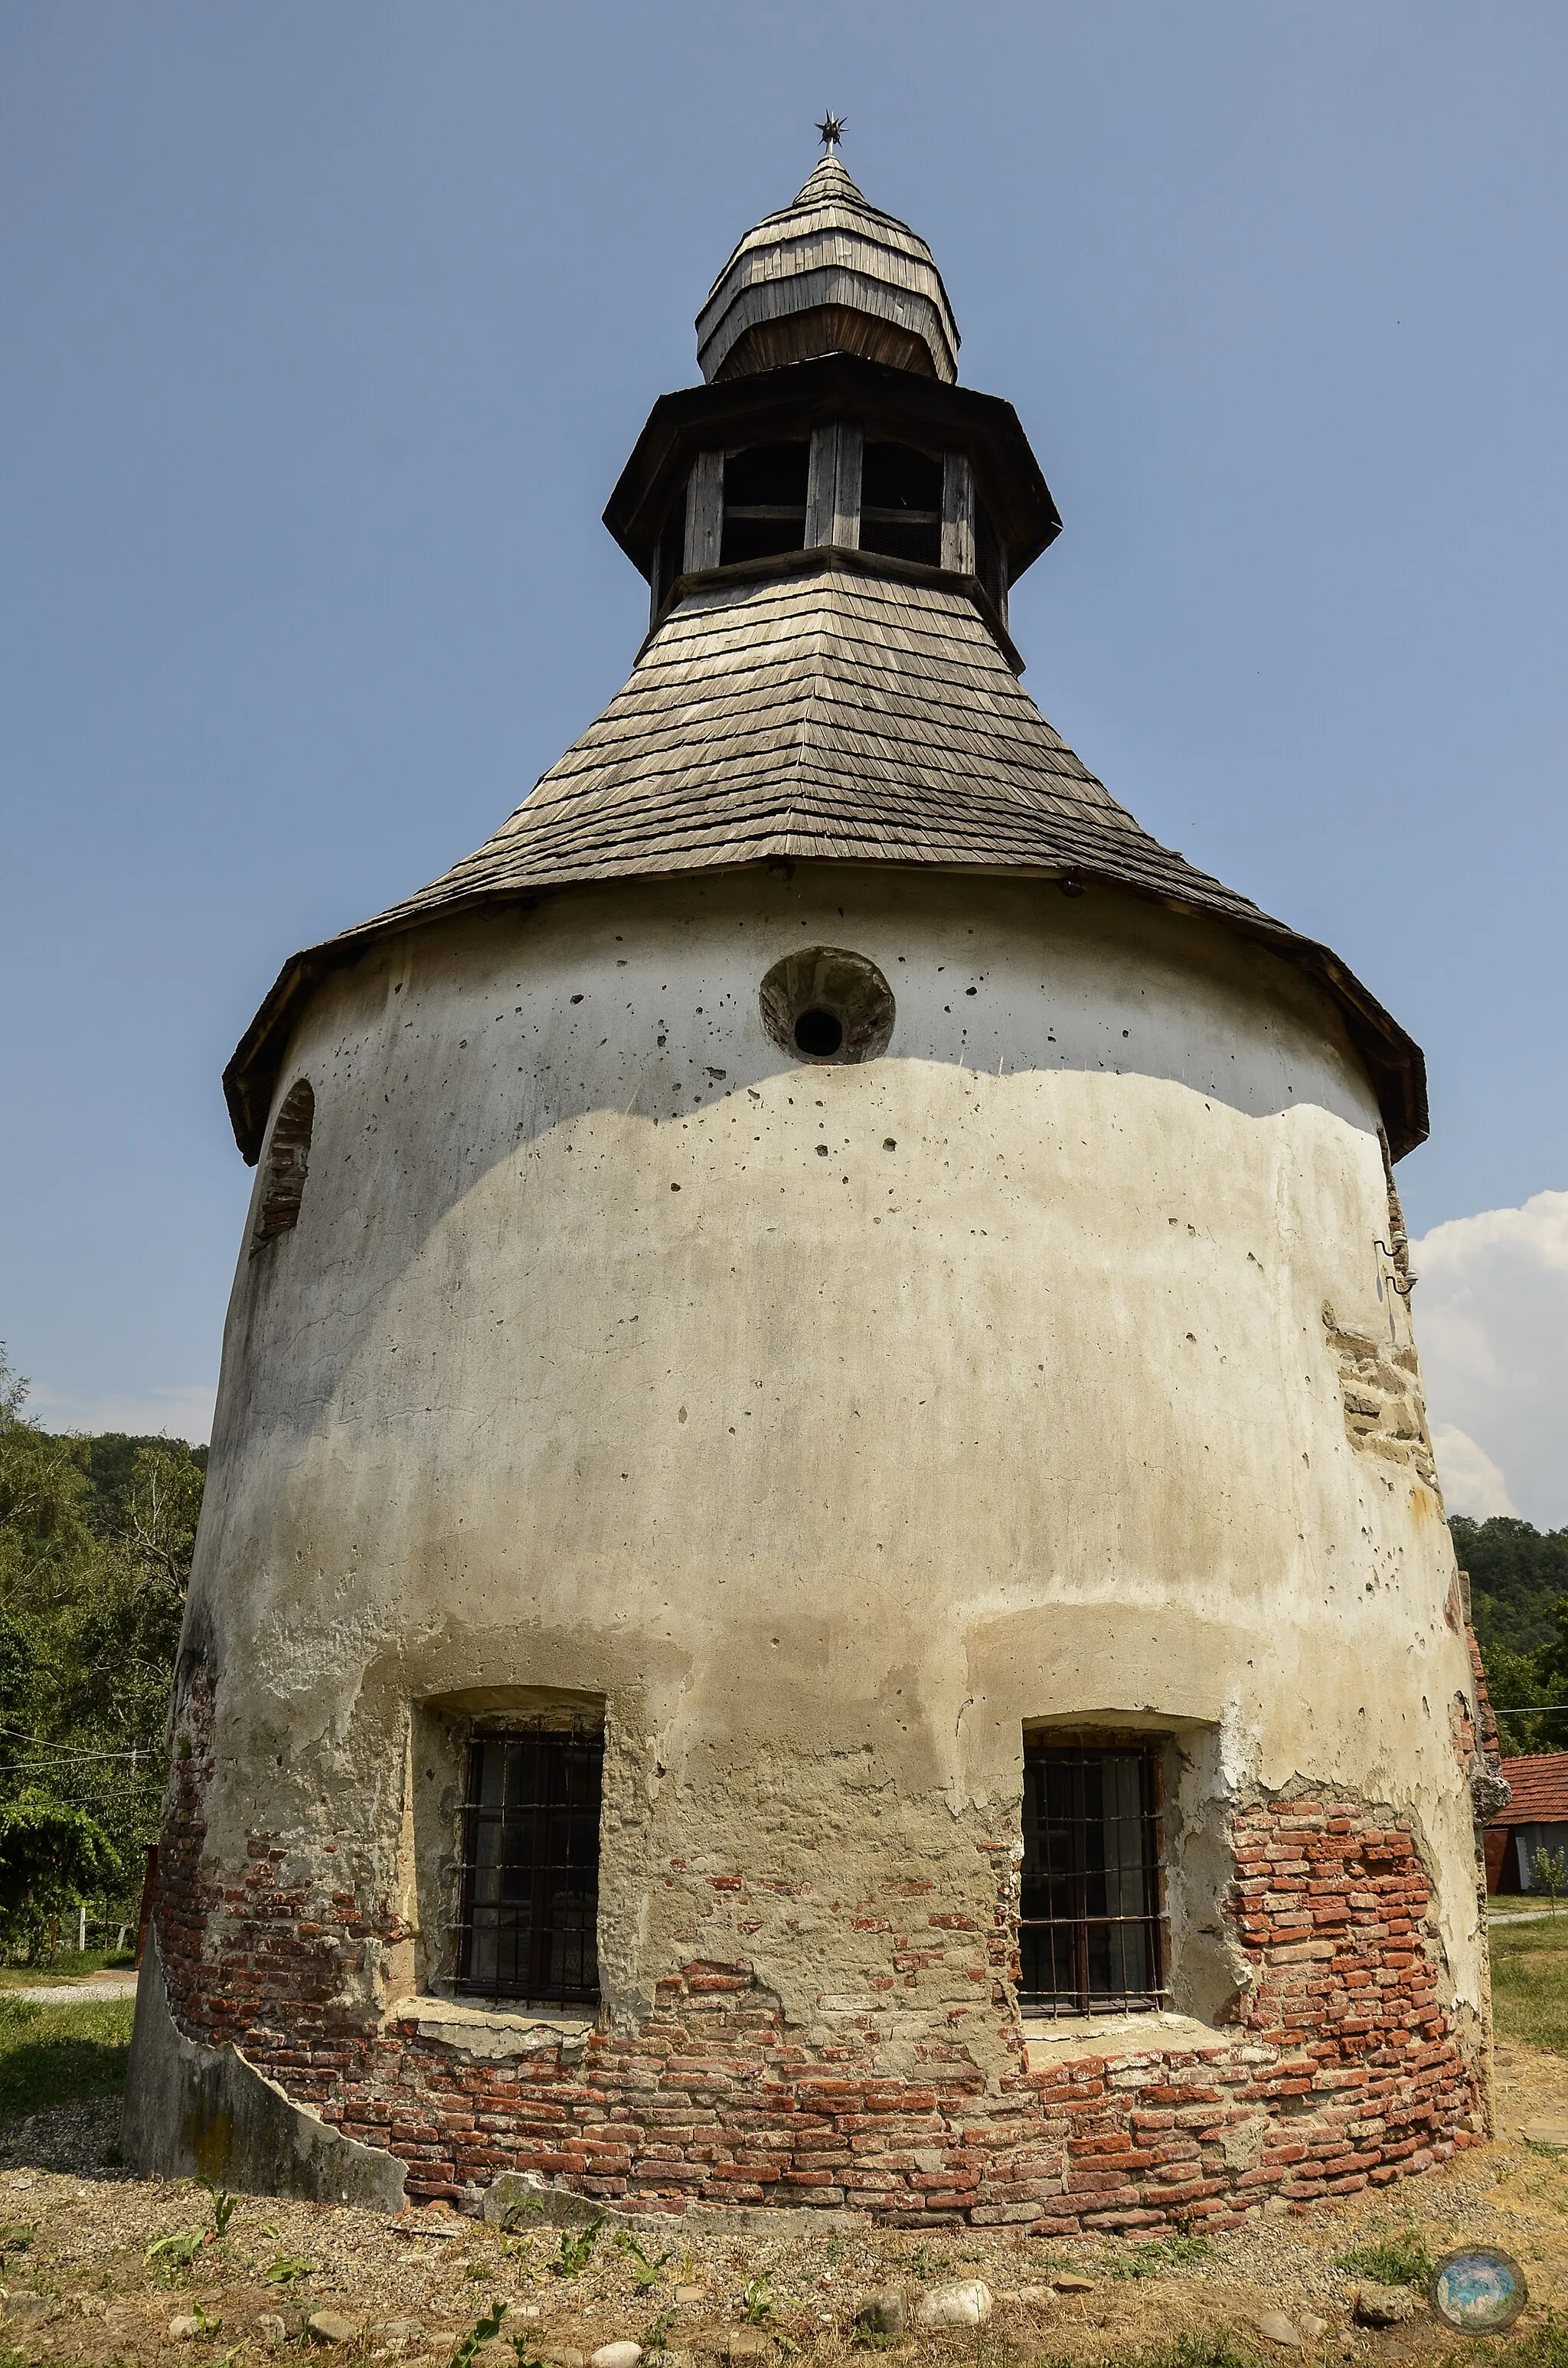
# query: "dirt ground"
76 2284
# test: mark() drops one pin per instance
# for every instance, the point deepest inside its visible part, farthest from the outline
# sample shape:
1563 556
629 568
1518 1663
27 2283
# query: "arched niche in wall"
287 1164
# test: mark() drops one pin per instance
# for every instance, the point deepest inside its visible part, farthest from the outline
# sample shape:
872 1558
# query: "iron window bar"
527 1918
1090 1928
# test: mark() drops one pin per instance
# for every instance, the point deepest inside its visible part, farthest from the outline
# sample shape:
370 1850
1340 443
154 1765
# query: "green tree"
1516 1575
51 1856
1513 1680
1530 1691
95 1544
1518 1586
1550 1868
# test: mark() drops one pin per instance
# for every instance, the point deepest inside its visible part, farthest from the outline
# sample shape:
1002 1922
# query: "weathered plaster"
828 1425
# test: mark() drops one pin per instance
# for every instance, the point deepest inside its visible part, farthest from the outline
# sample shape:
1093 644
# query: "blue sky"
327 330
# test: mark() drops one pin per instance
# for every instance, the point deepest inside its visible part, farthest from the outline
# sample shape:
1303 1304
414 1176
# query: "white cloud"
1471 1482
1492 1327
174 1413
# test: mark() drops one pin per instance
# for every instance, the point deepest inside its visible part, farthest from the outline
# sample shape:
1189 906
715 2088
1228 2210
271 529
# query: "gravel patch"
73 1993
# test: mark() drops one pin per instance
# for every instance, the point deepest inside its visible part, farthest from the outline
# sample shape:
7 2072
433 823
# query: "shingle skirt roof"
844 711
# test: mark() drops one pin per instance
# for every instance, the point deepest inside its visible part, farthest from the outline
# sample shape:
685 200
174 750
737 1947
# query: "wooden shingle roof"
830 251
836 709
834 714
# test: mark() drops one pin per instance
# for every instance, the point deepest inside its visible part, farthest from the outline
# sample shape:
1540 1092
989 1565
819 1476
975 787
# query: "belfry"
823 1578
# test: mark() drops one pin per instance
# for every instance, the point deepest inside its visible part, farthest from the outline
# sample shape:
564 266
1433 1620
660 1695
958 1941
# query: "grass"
1544 2347
1152 2261
1399 2258
1530 1982
51 2054
1222 2349
68 1966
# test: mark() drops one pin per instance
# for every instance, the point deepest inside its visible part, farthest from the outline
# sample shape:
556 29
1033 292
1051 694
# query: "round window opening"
819 1033
824 1004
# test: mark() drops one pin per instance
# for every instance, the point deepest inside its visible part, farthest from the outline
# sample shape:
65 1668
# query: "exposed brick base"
1343 2069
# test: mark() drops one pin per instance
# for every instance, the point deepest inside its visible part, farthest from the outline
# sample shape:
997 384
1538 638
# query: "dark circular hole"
819 1033
827 1004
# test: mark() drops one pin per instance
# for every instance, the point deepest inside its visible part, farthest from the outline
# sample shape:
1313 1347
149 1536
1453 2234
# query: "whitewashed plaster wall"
829 1422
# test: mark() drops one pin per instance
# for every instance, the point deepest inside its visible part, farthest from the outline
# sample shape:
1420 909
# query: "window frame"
765 520
916 526
1075 1755
531 1928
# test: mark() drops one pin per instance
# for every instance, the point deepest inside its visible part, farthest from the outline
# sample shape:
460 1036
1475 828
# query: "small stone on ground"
966 2306
332 2327
1384 2305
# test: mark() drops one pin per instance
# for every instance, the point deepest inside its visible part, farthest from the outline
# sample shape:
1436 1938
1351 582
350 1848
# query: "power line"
67 1753
29 1766
45 1743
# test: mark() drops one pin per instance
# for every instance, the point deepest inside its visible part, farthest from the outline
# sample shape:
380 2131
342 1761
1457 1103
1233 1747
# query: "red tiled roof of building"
1541 1791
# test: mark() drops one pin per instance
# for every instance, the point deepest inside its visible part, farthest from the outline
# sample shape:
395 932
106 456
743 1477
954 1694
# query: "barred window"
528 1918
1089 1924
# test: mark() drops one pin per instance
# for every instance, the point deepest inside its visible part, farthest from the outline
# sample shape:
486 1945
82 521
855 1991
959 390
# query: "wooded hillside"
1518 1585
95 1540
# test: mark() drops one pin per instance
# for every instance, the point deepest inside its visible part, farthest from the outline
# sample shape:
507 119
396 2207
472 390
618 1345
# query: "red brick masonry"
1342 2071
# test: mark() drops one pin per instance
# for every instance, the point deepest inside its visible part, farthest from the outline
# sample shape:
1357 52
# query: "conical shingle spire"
833 682
828 273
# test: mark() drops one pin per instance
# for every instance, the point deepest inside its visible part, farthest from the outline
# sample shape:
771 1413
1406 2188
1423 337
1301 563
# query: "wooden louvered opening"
765 501
288 1162
901 503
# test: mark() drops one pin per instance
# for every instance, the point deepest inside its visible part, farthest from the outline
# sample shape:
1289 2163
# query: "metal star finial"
830 131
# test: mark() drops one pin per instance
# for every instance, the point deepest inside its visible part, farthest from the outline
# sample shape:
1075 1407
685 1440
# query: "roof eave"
1394 1062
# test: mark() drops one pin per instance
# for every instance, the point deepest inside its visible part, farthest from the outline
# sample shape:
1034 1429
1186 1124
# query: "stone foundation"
1339 2066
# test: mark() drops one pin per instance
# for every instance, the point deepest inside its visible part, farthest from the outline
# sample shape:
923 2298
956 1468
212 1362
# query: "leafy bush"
171 2256
577 2248
52 1855
288 2270
649 2266
483 2330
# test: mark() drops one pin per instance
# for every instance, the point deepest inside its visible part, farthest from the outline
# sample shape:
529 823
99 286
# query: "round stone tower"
822 1567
